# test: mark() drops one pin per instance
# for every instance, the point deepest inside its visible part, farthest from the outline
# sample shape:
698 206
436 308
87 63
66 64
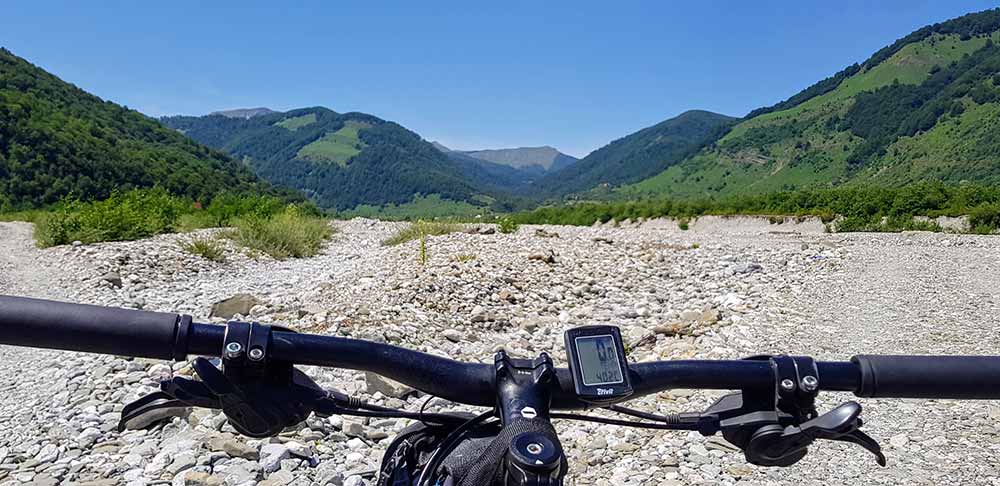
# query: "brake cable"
448 444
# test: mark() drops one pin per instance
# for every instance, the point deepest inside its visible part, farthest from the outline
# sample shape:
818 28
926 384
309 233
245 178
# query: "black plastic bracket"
776 428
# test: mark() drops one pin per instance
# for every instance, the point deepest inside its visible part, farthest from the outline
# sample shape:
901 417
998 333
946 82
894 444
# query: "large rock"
237 304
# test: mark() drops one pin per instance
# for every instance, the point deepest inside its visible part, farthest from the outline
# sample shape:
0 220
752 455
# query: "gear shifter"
773 445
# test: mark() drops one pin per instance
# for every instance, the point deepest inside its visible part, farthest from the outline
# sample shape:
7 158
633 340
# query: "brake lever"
773 445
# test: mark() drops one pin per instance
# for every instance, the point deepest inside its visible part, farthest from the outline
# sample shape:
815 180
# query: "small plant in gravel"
507 225
464 258
683 224
289 234
207 248
421 229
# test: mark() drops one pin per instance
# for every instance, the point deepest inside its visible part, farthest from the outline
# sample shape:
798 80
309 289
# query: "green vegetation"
422 229
58 141
124 216
923 109
141 213
291 233
639 155
389 164
208 248
861 208
337 147
297 122
507 225
421 207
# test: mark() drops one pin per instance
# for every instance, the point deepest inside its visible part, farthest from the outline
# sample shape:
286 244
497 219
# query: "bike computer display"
597 362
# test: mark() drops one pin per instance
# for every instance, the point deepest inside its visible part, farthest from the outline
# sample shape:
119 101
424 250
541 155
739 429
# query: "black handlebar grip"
88 328
958 377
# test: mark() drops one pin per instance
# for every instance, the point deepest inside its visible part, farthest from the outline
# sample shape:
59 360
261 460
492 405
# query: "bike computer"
597 362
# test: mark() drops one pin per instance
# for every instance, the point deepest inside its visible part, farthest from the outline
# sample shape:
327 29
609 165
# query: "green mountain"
341 160
639 155
926 108
57 140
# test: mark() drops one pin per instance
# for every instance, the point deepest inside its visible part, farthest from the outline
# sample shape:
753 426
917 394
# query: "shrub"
507 225
421 229
207 248
985 218
124 216
287 234
683 224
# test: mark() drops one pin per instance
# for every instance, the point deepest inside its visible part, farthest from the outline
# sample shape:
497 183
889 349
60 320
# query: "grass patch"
464 257
421 229
297 122
289 234
208 248
337 147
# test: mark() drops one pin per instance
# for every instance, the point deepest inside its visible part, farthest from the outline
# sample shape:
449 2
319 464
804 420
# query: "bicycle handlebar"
105 330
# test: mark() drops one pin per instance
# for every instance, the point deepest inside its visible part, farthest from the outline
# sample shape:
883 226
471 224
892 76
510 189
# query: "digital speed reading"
598 360
597 363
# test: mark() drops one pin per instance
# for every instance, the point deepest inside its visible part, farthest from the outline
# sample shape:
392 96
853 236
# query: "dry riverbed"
725 292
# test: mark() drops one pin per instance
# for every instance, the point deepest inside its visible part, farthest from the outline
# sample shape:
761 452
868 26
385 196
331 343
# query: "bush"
290 233
124 216
421 229
985 219
207 248
507 225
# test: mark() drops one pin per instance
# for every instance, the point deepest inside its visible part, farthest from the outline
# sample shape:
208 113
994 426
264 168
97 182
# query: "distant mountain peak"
546 157
245 113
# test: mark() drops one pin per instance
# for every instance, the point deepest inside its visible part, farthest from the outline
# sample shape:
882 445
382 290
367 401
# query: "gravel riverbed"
727 292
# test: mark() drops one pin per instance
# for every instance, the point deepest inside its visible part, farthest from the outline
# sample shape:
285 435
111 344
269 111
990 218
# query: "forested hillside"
922 109
57 140
341 161
639 155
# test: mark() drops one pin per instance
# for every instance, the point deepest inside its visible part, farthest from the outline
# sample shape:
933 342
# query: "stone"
88 437
546 257
899 441
237 304
112 278
375 383
353 428
452 335
182 462
271 456
279 478
49 453
354 481
744 268
198 478
236 448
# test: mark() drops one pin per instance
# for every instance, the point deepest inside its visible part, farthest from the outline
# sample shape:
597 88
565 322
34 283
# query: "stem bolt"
234 350
534 448
810 383
787 384
256 354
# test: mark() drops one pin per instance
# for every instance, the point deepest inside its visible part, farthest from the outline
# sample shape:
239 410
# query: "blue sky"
574 75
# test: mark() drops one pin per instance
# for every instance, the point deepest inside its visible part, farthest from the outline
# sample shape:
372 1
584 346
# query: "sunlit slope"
925 111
